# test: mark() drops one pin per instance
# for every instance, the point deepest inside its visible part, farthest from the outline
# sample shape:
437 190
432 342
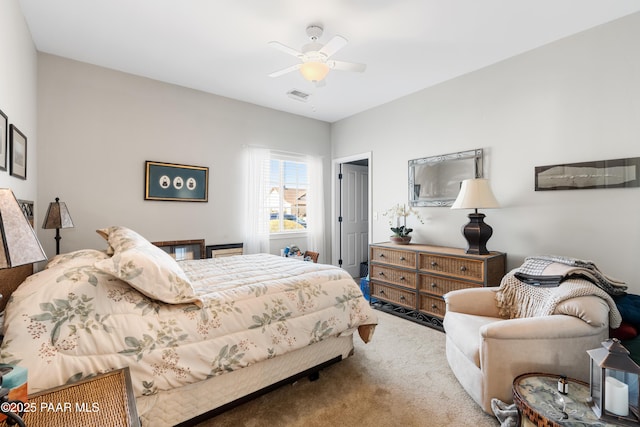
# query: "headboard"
11 278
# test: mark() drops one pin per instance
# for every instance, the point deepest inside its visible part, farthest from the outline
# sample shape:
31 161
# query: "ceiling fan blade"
286 49
333 45
285 70
346 66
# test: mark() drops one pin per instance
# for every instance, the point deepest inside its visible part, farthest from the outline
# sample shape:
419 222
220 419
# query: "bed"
197 335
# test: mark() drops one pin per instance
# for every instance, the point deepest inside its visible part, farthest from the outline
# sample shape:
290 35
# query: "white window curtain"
315 206
256 214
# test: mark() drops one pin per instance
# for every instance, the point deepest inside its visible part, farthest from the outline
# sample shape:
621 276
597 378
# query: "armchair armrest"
556 326
476 301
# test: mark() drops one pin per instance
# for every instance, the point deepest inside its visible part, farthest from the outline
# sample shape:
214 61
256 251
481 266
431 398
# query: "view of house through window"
287 198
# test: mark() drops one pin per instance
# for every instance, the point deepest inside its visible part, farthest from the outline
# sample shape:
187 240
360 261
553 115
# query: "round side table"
540 404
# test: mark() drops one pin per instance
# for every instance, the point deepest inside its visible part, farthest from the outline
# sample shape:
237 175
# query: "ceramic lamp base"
477 234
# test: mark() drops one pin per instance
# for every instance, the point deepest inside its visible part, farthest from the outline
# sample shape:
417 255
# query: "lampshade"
475 194
57 216
314 71
20 245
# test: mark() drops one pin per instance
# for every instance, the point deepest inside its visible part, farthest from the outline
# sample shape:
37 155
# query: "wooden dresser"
410 280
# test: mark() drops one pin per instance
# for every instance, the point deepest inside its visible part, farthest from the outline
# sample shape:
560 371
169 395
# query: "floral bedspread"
71 320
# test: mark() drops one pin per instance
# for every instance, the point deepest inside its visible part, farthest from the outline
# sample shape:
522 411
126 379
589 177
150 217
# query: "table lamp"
18 242
57 217
476 194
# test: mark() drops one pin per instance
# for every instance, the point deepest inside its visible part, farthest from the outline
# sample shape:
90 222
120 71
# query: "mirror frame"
450 168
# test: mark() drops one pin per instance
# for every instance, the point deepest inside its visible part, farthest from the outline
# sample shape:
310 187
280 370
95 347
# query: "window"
288 188
287 195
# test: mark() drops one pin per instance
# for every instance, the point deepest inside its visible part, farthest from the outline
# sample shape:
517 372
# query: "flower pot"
400 240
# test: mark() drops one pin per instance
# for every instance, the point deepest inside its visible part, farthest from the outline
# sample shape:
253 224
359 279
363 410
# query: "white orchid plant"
398 215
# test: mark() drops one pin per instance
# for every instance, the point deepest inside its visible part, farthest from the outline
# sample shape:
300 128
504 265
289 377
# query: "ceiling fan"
315 57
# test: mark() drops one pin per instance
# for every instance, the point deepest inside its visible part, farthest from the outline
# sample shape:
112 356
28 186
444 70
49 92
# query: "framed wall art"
174 182
616 173
4 131
18 152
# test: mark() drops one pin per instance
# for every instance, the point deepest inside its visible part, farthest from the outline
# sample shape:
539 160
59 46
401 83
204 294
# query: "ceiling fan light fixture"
314 71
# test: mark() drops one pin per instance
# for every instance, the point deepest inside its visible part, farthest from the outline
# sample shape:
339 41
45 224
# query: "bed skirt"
175 406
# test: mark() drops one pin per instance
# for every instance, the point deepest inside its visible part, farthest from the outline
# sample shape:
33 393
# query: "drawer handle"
435 307
381 255
402 258
381 273
381 291
434 264
402 297
463 268
402 278
434 285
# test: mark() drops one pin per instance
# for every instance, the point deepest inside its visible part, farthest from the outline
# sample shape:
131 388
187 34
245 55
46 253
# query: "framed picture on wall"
170 181
18 152
4 124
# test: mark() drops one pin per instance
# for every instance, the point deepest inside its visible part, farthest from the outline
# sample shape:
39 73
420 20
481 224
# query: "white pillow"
146 267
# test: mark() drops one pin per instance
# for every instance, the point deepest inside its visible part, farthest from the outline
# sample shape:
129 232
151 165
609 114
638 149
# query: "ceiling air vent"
298 95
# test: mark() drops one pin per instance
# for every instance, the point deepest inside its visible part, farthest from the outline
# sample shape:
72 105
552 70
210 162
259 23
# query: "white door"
353 221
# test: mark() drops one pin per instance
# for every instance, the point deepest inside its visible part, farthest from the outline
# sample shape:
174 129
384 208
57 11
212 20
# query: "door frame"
335 238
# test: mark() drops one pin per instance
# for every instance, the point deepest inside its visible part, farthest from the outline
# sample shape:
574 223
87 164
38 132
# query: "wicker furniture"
540 404
410 280
104 400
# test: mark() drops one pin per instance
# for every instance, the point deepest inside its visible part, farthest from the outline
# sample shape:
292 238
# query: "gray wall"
571 101
98 126
18 93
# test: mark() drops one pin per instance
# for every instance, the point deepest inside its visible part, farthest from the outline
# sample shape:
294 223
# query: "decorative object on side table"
57 217
476 194
614 388
401 233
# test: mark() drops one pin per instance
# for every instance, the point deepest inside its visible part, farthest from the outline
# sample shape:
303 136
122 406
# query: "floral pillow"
79 257
146 267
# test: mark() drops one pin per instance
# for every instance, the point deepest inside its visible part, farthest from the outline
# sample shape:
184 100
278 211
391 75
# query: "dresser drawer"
432 305
438 285
393 295
454 266
393 257
396 276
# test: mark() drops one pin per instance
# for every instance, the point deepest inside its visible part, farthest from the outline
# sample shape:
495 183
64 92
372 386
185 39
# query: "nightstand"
103 400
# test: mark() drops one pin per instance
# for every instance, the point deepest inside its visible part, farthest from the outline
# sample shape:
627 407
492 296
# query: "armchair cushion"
592 310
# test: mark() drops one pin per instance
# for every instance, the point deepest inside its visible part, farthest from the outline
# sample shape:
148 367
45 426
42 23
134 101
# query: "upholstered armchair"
486 352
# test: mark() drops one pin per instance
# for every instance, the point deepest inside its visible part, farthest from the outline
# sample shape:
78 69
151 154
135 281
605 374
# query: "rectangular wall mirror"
436 180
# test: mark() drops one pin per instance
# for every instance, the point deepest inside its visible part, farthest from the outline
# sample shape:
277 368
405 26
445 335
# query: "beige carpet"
401 378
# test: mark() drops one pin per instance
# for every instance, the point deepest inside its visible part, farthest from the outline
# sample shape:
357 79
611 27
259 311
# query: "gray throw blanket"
551 270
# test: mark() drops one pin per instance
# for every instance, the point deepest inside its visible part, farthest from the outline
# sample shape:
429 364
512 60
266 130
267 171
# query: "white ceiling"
221 46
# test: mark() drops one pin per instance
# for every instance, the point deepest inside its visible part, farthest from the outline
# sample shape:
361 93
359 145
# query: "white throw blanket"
517 299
